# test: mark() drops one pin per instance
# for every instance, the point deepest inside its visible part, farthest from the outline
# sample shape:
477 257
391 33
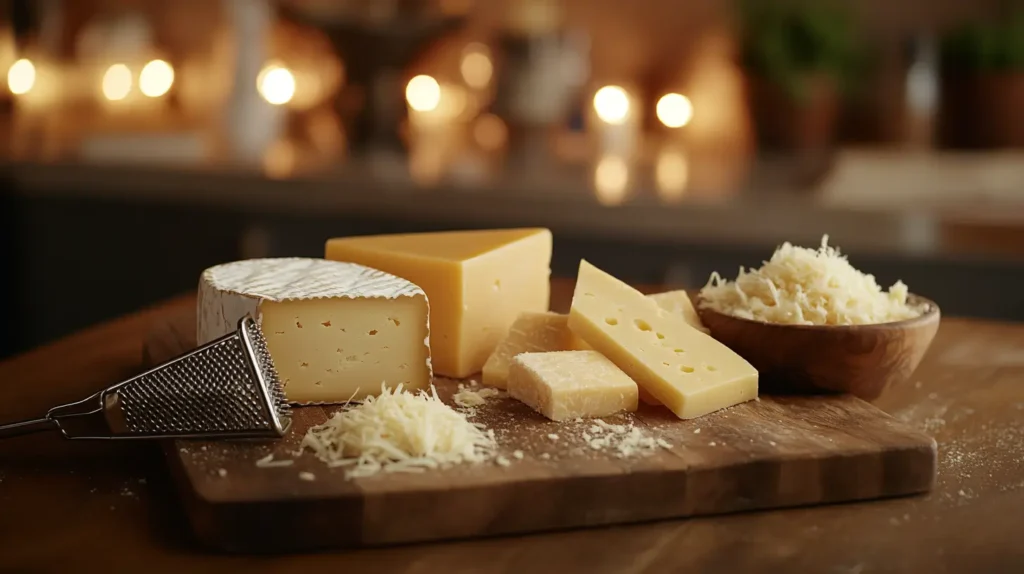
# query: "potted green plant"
982 98
798 57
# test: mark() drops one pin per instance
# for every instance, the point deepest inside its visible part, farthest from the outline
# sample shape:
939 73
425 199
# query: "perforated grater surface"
227 388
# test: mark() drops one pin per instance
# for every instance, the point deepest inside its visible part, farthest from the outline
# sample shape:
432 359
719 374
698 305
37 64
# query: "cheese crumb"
468 397
696 431
502 461
222 472
398 431
553 436
307 476
269 462
803 286
518 454
545 456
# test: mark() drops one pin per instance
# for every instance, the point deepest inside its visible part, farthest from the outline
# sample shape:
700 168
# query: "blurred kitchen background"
144 140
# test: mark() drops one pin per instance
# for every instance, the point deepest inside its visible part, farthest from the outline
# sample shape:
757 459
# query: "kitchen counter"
109 506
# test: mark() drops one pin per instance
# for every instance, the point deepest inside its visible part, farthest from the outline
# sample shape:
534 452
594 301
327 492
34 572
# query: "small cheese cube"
530 333
477 283
683 368
569 384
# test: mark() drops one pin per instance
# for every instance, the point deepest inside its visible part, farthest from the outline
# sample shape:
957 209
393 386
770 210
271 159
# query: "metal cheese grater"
227 388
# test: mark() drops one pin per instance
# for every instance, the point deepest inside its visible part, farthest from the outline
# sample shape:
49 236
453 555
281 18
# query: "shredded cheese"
269 462
803 286
398 431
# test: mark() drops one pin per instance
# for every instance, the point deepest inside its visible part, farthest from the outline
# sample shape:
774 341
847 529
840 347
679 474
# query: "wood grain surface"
771 453
110 506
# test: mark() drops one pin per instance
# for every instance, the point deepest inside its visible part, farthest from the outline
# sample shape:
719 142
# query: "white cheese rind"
229 291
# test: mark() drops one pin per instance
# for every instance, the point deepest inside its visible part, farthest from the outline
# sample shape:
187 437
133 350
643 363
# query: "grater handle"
27 427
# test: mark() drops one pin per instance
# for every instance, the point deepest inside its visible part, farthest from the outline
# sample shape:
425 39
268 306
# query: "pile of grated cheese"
398 431
803 286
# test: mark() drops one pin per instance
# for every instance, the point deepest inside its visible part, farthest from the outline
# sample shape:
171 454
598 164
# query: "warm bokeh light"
612 104
611 177
423 93
117 82
279 159
674 110
490 132
671 174
476 66
156 78
21 77
276 84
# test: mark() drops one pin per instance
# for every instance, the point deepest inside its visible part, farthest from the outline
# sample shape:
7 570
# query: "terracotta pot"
785 123
982 110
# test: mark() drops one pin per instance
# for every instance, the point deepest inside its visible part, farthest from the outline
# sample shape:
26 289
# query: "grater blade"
227 388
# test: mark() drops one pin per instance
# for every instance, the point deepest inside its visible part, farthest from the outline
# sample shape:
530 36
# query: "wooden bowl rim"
931 314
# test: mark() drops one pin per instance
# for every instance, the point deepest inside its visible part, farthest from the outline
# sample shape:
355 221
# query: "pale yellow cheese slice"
565 385
683 368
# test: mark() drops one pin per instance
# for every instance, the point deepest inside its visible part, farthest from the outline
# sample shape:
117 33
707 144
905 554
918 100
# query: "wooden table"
90 506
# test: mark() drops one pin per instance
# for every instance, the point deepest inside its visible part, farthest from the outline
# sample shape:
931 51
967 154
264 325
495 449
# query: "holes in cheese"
684 390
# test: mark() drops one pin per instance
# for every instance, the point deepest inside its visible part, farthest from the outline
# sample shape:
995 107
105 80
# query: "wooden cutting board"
772 453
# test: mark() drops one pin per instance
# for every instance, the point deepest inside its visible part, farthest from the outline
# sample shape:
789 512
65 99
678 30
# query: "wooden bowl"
863 360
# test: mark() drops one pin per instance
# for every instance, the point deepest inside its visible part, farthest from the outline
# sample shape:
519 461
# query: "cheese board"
772 452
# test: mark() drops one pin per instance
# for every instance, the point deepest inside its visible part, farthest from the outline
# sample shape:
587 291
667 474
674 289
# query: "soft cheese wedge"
336 331
478 282
569 384
683 368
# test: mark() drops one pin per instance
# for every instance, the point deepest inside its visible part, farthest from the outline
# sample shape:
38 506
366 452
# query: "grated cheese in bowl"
803 286
398 431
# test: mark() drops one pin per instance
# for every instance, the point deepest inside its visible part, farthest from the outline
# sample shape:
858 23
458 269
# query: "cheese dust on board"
803 286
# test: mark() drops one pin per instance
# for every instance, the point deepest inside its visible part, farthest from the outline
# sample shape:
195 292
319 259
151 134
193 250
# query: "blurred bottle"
252 124
921 91
543 68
